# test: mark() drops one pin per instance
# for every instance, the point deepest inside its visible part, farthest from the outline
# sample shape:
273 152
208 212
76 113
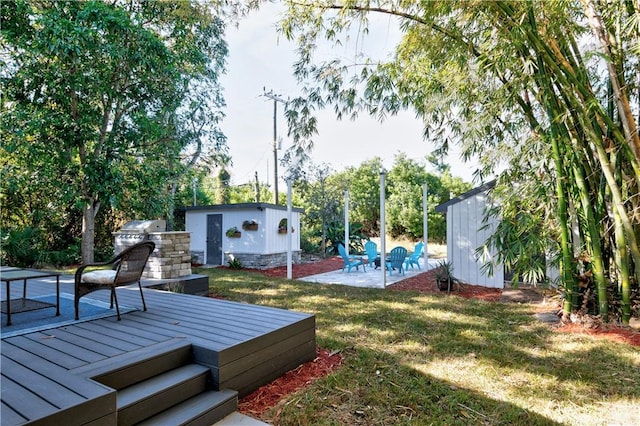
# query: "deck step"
133 367
204 409
152 396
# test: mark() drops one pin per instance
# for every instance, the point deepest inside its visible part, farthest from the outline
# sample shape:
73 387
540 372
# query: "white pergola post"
425 225
289 231
346 221
383 232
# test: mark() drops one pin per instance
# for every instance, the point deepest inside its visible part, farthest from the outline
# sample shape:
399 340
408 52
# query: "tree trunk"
89 229
591 126
622 263
172 207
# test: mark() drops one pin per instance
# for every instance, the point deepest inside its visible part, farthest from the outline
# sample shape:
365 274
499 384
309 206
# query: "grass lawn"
420 359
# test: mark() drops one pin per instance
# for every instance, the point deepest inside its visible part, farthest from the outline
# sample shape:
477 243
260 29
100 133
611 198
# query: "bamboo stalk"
593 240
622 265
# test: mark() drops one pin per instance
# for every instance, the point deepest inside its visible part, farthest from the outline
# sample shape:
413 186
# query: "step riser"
153 404
145 369
202 410
213 415
164 387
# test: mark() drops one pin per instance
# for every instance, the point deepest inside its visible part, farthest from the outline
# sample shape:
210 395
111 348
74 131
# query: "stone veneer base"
171 257
263 261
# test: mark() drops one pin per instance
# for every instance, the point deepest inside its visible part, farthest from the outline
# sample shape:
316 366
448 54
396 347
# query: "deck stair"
72 373
164 386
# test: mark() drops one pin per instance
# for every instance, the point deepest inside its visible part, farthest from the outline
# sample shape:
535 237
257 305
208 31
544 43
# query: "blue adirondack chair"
396 259
413 258
350 262
371 249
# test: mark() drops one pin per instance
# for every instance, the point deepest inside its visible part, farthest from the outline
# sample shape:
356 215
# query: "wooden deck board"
120 343
174 327
14 395
62 359
56 394
93 344
223 315
159 351
126 332
48 369
79 352
266 372
243 345
9 416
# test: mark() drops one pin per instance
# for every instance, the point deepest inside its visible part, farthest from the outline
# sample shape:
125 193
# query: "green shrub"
103 253
307 245
235 264
69 256
335 236
20 247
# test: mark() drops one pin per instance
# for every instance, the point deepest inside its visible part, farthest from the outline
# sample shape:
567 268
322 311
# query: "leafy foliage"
522 237
20 247
513 84
235 263
322 197
102 101
335 237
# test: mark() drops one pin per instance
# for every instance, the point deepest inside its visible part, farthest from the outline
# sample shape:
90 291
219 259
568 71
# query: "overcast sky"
259 59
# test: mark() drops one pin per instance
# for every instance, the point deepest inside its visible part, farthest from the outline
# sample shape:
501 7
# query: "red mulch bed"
269 395
313 267
426 283
610 332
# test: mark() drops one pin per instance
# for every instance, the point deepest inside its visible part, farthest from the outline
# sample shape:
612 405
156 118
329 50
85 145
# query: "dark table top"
12 274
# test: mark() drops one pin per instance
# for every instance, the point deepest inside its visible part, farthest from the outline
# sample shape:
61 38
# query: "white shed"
465 215
261 240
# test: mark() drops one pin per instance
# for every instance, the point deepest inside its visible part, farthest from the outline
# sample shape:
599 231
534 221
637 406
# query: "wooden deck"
76 374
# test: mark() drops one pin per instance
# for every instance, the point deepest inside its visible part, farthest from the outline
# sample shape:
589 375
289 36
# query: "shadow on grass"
444 359
373 387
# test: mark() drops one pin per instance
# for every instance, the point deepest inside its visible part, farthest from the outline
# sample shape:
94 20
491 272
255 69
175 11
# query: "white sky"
259 59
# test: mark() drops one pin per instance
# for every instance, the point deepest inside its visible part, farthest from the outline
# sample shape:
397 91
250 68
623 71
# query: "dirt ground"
325 362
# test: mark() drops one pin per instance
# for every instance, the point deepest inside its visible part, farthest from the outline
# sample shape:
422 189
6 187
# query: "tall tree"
514 83
404 212
103 98
322 203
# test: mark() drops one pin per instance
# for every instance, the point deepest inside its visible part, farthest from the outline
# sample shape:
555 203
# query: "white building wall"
196 225
249 241
277 243
266 240
464 220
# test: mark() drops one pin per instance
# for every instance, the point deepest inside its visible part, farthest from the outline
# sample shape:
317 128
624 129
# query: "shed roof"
241 206
442 208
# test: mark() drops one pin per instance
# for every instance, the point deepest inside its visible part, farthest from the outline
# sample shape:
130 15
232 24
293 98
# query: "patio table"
7 275
376 261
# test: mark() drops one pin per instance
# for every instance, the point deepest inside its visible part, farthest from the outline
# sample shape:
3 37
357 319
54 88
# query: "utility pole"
276 99
257 188
194 184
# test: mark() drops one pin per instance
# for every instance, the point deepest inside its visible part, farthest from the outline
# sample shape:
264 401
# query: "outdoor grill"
137 227
136 231
172 255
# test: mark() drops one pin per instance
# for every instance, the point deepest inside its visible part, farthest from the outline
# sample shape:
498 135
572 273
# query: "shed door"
214 239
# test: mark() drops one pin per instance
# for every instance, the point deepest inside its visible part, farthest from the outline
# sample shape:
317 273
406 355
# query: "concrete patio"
372 278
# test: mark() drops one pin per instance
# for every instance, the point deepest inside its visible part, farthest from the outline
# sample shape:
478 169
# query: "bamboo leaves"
521 83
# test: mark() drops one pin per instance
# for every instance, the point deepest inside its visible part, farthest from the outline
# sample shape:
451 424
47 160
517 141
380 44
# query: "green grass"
435 359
